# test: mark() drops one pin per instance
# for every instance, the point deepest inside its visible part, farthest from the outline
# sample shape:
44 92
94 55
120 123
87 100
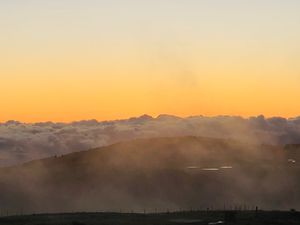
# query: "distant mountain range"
21 142
156 174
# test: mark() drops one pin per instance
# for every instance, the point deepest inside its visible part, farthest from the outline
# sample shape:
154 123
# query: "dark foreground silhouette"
174 218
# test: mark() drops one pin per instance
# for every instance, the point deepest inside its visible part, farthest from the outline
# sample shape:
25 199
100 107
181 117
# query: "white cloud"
21 142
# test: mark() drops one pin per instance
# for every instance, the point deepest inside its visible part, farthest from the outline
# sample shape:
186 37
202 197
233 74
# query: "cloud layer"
20 142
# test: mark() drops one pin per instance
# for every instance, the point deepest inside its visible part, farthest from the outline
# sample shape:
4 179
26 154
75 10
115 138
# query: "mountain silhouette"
158 173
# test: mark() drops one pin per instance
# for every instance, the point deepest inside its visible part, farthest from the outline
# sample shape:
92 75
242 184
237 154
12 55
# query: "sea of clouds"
22 142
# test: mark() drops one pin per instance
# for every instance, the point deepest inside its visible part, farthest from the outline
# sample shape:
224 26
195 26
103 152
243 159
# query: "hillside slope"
158 173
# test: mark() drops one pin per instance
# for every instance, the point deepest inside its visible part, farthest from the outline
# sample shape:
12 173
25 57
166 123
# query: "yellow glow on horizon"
66 61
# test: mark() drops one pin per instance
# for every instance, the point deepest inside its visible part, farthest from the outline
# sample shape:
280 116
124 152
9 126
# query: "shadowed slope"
159 173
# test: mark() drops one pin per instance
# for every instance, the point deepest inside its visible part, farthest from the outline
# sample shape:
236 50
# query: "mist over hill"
159 173
21 142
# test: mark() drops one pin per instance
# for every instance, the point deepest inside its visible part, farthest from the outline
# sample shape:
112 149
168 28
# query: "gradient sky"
66 60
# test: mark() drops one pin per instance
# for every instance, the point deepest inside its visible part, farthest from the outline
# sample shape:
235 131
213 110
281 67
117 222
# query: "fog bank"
21 142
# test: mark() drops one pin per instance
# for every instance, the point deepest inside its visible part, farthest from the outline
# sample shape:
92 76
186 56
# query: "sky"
64 60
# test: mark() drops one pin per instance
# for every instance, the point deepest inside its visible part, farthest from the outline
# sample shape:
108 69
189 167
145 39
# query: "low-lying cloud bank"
21 142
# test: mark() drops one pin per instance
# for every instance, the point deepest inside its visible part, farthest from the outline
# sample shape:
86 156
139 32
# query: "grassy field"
175 218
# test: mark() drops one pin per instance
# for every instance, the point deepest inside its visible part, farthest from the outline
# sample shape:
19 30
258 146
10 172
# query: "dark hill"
159 173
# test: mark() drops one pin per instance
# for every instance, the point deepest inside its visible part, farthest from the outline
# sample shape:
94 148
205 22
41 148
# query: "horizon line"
150 117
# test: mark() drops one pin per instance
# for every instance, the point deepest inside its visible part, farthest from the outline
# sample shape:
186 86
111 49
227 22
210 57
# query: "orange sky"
66 61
